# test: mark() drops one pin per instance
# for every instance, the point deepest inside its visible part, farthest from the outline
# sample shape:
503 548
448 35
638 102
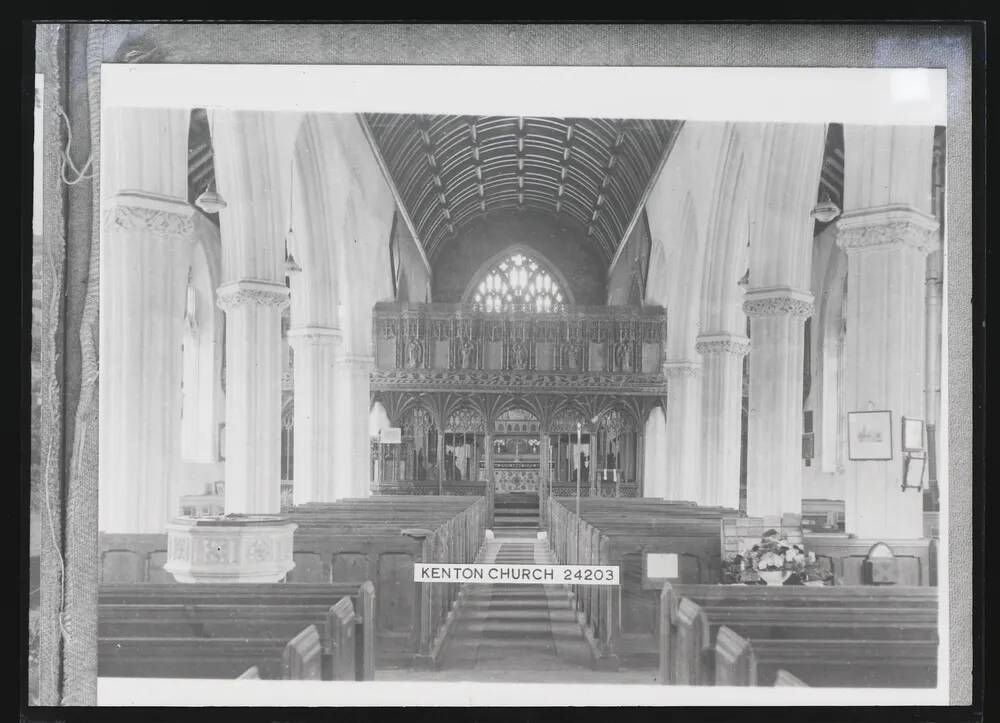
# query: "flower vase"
773 577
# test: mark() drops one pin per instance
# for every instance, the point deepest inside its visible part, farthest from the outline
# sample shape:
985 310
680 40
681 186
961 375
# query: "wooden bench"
916 560
623 619
736 663
826 636
139 622
381 538
353 540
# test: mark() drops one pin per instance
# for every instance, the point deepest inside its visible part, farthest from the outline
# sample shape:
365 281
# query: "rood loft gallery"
370 341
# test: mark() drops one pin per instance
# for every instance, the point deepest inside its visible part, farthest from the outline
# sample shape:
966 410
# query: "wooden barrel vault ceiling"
451 170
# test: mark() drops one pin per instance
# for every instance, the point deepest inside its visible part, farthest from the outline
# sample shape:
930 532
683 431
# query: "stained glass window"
518 283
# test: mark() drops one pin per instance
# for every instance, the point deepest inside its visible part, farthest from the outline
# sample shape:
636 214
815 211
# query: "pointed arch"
727 236
499 258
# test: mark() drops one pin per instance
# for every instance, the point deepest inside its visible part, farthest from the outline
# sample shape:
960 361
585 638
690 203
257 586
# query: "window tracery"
519 283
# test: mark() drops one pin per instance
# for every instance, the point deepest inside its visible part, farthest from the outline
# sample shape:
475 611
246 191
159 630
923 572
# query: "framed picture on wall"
913 434
869 435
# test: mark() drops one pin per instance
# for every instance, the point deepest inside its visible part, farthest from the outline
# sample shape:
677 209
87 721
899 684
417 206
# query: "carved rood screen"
591 350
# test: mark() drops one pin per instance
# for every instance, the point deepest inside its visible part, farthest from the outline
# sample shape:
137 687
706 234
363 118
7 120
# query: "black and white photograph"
425 381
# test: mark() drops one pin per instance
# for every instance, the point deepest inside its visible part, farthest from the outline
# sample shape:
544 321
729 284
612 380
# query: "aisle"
522 633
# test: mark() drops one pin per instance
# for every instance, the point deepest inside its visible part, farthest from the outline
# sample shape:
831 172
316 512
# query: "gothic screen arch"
518 281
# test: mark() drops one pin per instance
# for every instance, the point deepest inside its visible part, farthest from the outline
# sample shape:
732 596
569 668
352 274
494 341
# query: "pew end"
340 624
784 678
302 658
735 662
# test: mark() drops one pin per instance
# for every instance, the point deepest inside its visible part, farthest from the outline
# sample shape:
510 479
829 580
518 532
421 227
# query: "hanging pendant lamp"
826 210
211 201
291 265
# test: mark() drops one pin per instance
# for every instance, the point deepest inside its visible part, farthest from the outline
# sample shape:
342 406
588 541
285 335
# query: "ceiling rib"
451 170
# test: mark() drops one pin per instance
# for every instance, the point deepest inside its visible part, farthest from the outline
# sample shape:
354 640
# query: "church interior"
334 347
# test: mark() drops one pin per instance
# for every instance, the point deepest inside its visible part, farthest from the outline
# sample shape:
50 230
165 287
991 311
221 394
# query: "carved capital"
887 227
314 336
779 301
243 293
722 344
136 212
683 368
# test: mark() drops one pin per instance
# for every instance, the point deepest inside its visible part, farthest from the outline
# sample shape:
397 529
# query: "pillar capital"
301 336
778 301
681 368
235 294
885 227
152 213
722 343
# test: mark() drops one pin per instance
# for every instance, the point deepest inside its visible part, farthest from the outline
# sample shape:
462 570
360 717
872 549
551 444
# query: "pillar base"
230 548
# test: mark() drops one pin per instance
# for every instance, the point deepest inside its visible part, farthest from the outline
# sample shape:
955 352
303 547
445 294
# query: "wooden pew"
381 538
621 532
189 657
302 657
178 619
735 662
826 636
784 678
353 540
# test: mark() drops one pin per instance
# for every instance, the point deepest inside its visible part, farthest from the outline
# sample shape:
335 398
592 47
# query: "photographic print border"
71 245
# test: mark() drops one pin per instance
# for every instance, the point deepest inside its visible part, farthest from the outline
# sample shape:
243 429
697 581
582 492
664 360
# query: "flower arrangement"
774 560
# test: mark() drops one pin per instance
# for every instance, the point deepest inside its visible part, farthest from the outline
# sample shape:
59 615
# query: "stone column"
440 456
544 475
682 452
722 401
640 458
351 442
655 455
774 435
316 349
146 241
253 395
146 245
887 250
592 471
488 444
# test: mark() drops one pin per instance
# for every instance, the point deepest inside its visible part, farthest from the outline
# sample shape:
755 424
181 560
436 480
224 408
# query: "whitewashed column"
682 448
316 349
722 405
774 433
887 250
887 231
251 174
253 395
145 252
655 455
351 441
